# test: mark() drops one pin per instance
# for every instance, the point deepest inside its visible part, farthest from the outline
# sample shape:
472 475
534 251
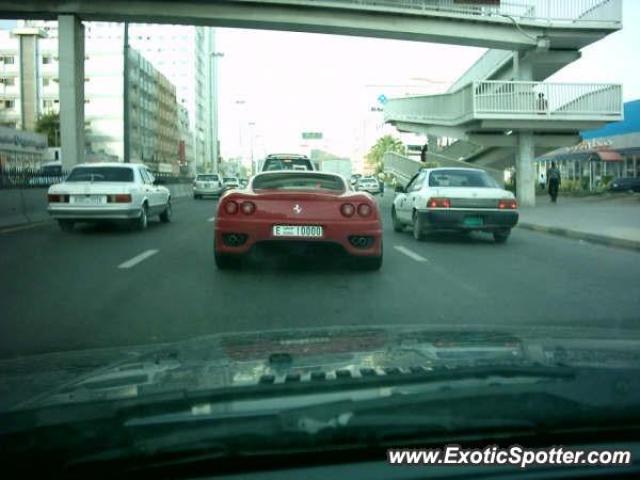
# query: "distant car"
625 184
454 199
96 192
230 182
207 184
368 184
243 182
287 161
49 173
298 210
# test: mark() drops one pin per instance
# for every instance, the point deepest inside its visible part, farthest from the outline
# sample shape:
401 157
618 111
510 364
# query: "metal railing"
446 109
550 99
18 177
575 11
511 100
404 168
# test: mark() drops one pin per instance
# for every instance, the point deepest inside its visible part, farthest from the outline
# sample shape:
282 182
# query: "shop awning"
608 155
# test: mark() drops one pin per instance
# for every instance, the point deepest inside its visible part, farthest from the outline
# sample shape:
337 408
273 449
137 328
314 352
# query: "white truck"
341 166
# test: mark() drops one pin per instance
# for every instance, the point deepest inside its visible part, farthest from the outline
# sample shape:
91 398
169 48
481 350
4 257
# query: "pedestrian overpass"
500 108
528 40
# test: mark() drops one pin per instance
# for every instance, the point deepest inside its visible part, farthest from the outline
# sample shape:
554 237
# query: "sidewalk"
610 219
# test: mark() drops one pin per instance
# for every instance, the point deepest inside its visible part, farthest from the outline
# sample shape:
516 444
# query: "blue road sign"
382 98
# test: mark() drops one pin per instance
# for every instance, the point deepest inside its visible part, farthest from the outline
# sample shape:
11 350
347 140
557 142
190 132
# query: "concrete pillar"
71 75
29 76
523 72
525 172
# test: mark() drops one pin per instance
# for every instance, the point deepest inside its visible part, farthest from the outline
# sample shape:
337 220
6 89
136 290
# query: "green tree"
49 125
385 144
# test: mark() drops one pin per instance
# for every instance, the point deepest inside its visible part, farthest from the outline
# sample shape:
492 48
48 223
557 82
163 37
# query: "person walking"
543 104
553 181
543 181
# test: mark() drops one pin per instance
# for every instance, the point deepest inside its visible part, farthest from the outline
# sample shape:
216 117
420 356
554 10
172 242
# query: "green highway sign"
312 135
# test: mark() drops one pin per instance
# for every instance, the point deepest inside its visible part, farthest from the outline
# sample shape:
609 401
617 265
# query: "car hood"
235 360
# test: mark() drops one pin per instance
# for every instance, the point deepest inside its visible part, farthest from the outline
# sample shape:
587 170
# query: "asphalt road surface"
107 287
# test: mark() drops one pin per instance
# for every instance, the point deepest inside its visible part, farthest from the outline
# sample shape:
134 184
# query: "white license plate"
88 199
305 231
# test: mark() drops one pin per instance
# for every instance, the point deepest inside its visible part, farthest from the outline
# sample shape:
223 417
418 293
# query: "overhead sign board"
312 135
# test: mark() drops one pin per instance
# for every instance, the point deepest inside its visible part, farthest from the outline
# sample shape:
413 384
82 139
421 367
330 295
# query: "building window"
8 59
46 60
8 81
8 104
46 81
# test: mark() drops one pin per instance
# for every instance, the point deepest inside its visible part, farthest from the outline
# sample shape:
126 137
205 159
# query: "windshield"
287 164
299 181
461 178
274 228
100 174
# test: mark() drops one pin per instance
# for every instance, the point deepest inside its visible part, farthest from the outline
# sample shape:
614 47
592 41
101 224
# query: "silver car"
368 184
207 184
230 183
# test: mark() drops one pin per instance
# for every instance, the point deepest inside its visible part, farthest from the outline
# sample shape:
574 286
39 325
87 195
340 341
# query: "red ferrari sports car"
297 211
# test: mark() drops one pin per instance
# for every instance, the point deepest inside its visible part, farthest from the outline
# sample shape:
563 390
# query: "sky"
288 83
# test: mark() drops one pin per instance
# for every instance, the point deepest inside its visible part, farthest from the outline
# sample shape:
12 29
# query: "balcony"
529 105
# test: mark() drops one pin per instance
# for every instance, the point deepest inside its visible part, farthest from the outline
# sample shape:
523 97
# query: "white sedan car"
454 199
95 192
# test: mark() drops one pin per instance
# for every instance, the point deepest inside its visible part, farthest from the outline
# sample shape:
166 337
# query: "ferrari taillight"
248 208
231 207
347 209
507 204
436 202
364 210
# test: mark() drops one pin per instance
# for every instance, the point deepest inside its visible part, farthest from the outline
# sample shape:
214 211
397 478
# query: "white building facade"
183 54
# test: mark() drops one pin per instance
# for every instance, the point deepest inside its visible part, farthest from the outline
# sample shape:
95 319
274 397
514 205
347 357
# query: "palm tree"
385 144
49 125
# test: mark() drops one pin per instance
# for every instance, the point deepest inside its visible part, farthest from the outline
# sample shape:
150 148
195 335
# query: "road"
106 287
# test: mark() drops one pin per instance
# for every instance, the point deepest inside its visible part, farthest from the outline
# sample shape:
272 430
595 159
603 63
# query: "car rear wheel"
142 222
165 216
66 225
370 263
397 226
196 197
418 233
227 262
501 236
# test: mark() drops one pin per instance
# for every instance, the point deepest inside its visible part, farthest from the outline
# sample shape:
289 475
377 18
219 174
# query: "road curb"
587 237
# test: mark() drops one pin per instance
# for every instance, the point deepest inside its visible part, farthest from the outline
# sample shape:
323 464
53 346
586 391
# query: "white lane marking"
211 219
410 254
132 262
23 227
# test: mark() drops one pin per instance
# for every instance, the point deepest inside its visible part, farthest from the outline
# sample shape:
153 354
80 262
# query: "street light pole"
213 98
125 97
